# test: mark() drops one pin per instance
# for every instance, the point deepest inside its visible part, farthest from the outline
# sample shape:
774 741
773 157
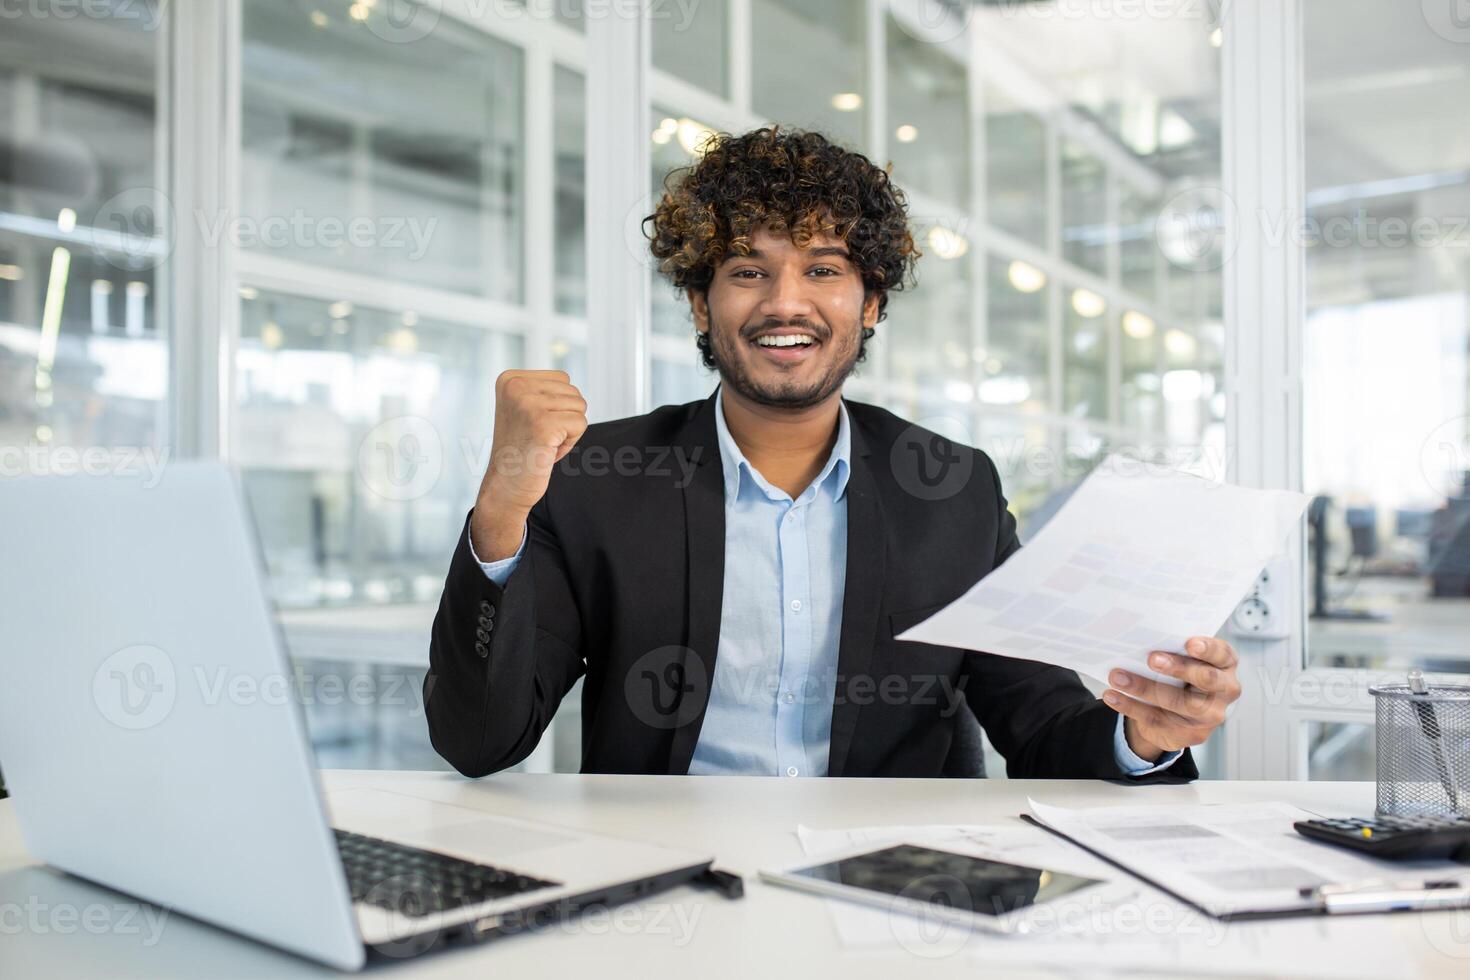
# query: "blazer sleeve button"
482 650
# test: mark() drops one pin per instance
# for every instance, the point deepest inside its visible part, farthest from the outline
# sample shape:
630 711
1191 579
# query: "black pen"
1429 724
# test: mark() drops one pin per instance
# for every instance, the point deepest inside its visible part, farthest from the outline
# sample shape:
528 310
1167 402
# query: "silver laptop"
151 744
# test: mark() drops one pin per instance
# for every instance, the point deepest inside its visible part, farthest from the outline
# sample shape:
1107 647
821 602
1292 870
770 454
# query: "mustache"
750 332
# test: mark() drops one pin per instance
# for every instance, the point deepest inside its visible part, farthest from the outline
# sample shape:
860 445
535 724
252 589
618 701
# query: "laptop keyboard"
414 882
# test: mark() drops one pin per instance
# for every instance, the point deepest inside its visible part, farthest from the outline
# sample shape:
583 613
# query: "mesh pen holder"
1423 742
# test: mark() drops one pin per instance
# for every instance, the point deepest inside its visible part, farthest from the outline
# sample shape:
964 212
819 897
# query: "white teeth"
786 340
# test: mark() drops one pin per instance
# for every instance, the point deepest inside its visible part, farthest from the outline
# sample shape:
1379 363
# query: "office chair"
1317 513
1362 524
966 759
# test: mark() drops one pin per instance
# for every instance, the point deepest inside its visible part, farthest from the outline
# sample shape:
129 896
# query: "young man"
730 574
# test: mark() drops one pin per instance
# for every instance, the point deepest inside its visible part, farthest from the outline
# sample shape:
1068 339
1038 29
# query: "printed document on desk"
1139 559
1225 859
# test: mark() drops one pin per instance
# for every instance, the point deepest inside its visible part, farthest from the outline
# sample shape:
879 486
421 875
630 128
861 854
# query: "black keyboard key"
416 883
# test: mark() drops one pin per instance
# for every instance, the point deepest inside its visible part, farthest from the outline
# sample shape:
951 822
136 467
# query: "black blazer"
622 580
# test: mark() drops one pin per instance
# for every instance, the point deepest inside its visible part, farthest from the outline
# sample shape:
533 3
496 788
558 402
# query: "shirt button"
791 770
788 697
796 605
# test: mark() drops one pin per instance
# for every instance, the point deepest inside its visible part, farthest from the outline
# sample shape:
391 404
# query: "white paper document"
1224 858
1139 559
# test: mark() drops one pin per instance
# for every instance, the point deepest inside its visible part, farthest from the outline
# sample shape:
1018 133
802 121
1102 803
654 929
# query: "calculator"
1395 838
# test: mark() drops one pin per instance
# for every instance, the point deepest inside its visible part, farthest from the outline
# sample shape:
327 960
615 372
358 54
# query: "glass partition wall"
411 221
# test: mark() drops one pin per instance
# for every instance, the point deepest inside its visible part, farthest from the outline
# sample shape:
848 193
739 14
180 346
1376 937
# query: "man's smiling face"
785 322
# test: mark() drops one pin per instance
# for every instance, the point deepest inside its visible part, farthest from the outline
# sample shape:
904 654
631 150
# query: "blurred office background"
404 216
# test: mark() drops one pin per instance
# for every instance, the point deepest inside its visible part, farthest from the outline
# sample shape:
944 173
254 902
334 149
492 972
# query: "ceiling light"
401 341
1179 343
667 127
1138 326
1025 276
692 135
947 244
906 133
1174 131
51 310
1088 304
847 102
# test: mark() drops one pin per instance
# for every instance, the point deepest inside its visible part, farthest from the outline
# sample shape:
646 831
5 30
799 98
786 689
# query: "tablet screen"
957 880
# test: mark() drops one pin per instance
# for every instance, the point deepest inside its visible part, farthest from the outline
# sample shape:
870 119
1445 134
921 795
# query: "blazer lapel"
863 594
704 539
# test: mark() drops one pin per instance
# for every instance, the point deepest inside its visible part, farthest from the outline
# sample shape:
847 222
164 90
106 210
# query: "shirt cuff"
1131 762
500 571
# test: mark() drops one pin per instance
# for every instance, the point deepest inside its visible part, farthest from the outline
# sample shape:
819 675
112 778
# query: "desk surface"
1418 630
747 822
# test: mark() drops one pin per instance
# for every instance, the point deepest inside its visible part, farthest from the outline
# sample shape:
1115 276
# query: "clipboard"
1343 899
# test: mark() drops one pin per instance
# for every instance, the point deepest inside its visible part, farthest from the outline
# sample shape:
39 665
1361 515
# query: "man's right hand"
539 416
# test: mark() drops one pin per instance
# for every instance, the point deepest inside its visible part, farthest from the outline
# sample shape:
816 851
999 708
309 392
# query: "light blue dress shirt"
770 707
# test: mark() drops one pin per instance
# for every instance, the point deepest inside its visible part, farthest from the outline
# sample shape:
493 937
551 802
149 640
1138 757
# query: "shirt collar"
837 468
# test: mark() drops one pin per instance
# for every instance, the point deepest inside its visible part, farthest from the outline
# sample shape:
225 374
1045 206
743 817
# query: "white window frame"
1265 300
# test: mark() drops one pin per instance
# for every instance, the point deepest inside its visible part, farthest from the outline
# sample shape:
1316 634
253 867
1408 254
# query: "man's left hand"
1161 718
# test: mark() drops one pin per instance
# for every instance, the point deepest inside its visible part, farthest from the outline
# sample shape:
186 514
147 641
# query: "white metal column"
618 194
1264 309
875 83
203 186
538 232
974 231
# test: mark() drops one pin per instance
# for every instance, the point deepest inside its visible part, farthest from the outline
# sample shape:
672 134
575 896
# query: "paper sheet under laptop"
1139 559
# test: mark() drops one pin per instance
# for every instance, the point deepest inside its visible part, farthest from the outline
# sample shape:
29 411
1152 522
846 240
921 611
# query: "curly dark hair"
791 181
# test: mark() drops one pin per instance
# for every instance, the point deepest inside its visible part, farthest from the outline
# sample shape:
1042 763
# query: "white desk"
746 823
1418 629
